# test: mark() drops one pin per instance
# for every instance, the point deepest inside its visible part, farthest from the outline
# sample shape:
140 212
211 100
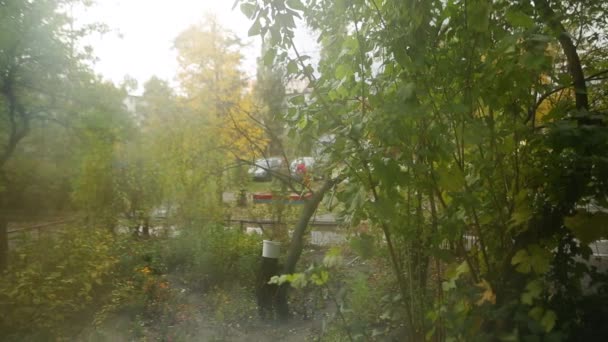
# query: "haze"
142 32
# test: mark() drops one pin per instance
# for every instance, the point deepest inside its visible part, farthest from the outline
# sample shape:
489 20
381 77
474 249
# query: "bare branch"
534 108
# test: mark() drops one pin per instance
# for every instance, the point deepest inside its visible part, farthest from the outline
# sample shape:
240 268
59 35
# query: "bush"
139 284
52 280
214 256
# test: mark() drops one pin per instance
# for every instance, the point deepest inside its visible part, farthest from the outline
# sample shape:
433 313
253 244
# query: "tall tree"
105 128
209 61
270 92
37 61
181 153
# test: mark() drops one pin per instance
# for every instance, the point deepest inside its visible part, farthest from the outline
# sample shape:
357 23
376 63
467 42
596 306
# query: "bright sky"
148 27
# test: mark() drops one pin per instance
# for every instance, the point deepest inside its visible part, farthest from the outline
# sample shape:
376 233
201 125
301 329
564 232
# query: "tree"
104 128
433 106
37 61
209 62
270 90
180 152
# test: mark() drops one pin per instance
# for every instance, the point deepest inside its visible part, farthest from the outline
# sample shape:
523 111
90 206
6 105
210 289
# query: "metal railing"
269 222
38 229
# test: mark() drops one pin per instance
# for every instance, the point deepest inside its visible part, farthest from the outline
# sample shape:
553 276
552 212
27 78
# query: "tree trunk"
574 63
295 248
3 242
146 227
266 294
310 206
3 222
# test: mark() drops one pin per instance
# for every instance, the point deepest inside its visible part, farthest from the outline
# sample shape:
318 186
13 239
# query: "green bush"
52 280
138 276
214 256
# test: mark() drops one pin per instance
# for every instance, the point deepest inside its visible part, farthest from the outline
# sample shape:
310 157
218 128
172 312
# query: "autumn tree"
214 86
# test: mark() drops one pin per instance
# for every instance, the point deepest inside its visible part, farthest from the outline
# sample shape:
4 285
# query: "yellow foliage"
209 60
241 135
488 295
551 101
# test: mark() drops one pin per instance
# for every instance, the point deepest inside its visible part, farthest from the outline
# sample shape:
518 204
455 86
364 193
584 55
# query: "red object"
301 168
261 197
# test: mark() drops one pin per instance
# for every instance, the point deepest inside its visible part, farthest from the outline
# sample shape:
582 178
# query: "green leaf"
292 67
548 320
450 180
286 20
448 285
302 123
588 227
521 260
453 273
275 36
536 313
298 280
309 70
279 280
296 5
320 278
342 71
248 9
533 291
255 29
534 259
519 19
332 258
523 210
540 259
269 57
297 100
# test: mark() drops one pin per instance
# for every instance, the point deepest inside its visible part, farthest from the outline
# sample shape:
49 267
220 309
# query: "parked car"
264 168
302 166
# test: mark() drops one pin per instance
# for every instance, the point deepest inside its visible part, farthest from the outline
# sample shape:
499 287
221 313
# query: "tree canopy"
466 124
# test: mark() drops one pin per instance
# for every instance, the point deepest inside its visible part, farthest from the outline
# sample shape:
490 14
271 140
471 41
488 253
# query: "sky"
139 43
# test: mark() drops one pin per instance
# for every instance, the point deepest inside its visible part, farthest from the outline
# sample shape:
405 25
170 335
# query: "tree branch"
541 99
574 63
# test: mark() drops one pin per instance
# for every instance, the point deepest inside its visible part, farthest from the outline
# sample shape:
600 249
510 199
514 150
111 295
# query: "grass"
252 186
259 186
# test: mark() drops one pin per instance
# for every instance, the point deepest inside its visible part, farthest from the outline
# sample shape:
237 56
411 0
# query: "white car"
263 169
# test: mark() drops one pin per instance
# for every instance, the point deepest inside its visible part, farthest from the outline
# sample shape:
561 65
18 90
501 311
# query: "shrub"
52 280
214 256
139 285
